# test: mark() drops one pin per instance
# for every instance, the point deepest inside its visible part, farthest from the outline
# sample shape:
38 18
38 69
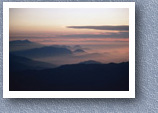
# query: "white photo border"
68 94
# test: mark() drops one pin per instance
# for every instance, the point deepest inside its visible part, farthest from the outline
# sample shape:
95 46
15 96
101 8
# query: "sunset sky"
106 27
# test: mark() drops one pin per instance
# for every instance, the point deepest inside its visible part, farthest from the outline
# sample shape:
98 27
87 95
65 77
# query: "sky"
101 29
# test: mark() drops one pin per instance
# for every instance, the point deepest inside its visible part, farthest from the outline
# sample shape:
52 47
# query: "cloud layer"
116 28
108 35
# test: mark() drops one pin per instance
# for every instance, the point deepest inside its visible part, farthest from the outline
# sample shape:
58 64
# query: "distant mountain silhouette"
20 42
18 45
90 62
61 46
79 51
76 77
77 47
17 63
47 51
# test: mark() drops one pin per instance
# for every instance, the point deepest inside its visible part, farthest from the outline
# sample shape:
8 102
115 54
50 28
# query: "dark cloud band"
109 35
116 28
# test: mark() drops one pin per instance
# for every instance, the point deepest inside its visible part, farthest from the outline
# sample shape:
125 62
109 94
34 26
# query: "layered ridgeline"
30 49
54 54
28 70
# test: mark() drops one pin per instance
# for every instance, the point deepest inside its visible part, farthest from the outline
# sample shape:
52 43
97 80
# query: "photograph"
69 49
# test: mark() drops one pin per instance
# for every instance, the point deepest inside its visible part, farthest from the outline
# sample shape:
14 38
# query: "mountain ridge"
43 52
90 62
18 63
19 45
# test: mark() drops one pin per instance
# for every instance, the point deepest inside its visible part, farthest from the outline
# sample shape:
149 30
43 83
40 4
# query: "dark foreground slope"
77 77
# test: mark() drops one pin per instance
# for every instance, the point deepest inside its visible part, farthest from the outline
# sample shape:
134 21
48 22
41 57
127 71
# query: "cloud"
115 28
109 35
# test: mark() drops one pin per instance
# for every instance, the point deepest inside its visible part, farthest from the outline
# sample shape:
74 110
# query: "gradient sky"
37 23
66 26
